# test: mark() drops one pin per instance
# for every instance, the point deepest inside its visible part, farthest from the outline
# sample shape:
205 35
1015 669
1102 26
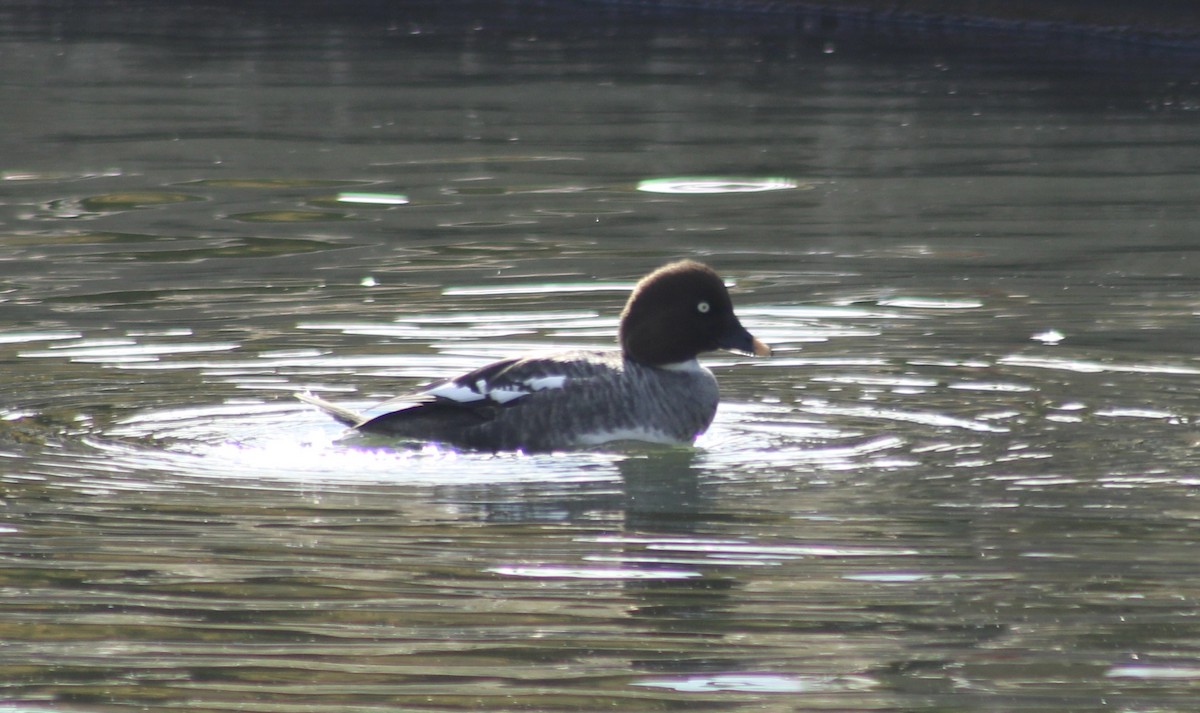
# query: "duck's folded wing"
480 396
502 383
458 403
428 420
507 405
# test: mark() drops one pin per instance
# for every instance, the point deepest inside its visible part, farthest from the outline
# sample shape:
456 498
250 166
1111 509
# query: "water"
966 481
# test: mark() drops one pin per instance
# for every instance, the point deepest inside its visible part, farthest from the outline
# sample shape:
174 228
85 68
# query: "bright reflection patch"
373 198
760 683
1151 672
543 571
715 184
930 303
1049 337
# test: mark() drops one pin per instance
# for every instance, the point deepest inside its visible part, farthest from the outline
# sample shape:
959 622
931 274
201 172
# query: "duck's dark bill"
742 341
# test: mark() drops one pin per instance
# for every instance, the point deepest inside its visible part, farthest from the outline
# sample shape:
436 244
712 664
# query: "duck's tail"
344 415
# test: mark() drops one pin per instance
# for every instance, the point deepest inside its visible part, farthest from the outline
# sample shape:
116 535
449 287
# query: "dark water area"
967 480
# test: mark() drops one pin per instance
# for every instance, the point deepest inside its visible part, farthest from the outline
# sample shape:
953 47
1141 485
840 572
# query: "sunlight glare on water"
710 184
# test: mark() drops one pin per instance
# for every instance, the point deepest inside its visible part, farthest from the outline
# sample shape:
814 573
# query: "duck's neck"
692 364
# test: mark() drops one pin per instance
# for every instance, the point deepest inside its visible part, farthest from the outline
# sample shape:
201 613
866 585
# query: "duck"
652 389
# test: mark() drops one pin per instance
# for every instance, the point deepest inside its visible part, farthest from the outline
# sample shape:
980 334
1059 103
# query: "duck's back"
559 401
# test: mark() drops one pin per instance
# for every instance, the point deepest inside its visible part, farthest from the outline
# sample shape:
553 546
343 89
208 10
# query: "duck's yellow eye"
703 307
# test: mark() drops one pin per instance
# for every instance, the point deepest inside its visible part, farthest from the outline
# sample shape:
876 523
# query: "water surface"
966 481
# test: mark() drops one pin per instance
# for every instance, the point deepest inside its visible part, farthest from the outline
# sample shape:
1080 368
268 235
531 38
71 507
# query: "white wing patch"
546 382
455 391
501 394
504 395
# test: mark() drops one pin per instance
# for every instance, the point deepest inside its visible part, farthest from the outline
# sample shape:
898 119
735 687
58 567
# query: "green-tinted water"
967 481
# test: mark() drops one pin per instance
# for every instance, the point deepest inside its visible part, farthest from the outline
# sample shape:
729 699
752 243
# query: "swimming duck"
653 389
